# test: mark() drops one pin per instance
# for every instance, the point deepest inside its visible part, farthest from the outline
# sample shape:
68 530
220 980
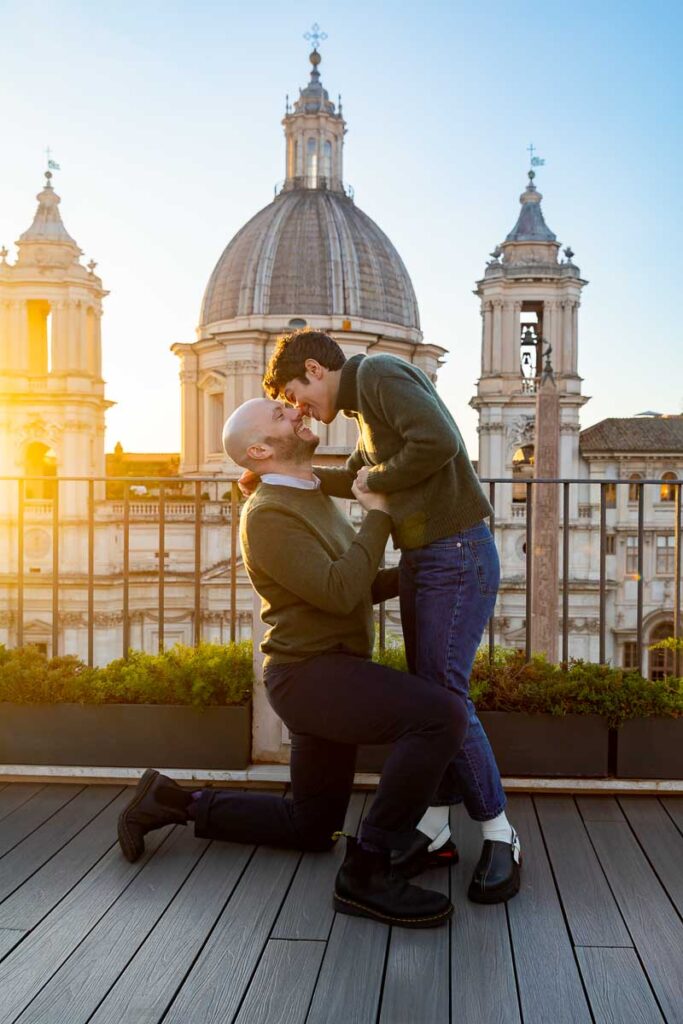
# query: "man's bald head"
262 433
247 426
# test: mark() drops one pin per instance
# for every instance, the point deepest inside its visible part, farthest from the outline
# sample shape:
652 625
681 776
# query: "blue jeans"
448 593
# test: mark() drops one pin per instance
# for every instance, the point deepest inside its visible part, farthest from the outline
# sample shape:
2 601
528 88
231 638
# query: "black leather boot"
418 858
367 887
496 876
158 801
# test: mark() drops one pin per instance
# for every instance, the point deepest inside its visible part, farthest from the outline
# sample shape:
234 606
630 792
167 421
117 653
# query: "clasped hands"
368 499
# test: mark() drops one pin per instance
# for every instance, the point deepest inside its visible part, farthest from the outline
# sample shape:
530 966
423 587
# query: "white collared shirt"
282 480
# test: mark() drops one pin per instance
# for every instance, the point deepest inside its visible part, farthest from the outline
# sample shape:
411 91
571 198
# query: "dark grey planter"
548 745
534 745
650 748
125 735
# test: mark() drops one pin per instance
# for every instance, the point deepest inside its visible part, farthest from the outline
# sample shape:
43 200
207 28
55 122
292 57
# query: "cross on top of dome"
315 36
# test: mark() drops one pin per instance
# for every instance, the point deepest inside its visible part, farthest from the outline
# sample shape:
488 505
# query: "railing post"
492 527
162 563
639 581
529 565
565 573
126 570
21 490
197 562
91 572
234 512
603 569
677 577
55 570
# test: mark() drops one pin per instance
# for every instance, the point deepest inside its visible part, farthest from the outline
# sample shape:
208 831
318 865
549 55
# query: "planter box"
125 735
548 745
650 748
535 745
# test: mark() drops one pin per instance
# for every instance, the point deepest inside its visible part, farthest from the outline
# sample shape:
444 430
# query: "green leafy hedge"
220 674
510 683
210 674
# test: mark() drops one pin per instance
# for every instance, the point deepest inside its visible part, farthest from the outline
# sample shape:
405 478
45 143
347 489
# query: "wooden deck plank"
661 841
281 989
43 890
31 853
32 813
74 991
27 968
599 808
416 981
147 986
592 913
219 979
9 938
13 796
656 928
673 805
307 912
617 987
483 986
549 984
350 982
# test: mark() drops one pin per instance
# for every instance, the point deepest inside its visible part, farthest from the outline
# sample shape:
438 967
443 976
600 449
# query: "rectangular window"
665 554
631 555
630 655
215 424
610 544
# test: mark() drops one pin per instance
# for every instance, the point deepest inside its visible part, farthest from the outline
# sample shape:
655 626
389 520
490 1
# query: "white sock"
498 829
434 823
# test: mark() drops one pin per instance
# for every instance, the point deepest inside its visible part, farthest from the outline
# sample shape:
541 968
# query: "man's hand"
248 482
369 500
361 481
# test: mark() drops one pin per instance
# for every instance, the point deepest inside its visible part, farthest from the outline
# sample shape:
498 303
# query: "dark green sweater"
315 575
417 455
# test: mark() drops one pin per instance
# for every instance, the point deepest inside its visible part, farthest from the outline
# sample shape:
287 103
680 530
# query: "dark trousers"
331 703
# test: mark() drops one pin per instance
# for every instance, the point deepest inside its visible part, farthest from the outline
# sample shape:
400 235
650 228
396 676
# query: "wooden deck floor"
209 932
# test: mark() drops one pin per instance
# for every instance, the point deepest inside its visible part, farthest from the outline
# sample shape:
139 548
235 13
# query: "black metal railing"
77 508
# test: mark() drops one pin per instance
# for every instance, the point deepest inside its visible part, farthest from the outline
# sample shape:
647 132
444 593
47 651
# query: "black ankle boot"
158 801
367 887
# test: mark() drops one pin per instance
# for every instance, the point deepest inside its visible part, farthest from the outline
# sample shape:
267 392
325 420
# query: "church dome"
311 251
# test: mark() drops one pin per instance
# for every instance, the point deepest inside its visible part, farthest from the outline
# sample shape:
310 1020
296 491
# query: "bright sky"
165 118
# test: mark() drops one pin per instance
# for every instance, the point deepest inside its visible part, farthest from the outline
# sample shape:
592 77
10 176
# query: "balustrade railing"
48 546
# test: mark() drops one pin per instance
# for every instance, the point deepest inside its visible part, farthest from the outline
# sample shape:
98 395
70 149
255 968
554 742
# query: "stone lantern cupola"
314 131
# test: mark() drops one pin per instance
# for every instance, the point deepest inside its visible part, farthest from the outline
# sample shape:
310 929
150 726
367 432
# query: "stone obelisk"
546 518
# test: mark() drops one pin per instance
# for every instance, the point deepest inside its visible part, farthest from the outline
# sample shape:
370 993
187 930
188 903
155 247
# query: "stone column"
188 421
5 341
487 338
546 522
497 341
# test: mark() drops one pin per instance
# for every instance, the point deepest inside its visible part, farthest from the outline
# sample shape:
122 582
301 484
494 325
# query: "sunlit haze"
165 119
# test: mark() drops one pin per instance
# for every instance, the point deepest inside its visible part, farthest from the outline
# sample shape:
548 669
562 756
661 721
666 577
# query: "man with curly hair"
410 449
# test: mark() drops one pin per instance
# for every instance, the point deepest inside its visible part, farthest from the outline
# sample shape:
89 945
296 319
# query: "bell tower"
529 300
52 403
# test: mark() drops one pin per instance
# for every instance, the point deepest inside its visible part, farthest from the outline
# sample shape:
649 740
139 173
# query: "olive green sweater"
417 455
316 577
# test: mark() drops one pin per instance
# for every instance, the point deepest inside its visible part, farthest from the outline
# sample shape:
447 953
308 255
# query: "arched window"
39 336
522 470
40 461
312 163
667 490
633 488
610 495
327 161
661 661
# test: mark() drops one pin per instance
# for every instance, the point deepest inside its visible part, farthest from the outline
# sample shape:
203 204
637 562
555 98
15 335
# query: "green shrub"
203 676
507 682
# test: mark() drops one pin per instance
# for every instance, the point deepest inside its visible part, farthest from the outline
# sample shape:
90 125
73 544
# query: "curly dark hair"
288 361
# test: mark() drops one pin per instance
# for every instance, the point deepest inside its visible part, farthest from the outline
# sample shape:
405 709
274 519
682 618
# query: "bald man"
317 579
